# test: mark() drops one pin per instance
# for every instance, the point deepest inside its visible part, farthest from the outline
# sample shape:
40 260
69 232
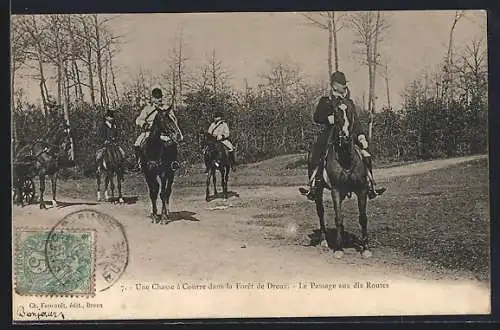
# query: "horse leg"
207 193
119 179
166 191
42 190
363 221
154 188
339 224
226 177
112 184
223 182
106 184
53 180
214 179
320 210
98 185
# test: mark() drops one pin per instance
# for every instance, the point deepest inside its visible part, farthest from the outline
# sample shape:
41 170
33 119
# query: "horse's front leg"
119 179
226 177
207 192
98 179
320 210
106 184
112 184
214 179
363 221
339 224
166 191
154 188
42 191
53 180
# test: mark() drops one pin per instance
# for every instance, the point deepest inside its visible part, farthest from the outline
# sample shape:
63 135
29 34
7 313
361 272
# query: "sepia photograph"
249 165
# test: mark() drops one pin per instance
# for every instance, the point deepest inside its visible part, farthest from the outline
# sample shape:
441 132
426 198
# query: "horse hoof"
338 254
366 254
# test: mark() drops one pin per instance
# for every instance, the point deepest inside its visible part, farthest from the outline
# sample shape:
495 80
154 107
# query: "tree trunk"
387 87
88 61
113 77
330 43
335 44
179 69
374 56
106 73
99 61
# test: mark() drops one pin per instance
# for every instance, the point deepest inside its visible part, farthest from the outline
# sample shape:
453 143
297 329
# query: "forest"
444 112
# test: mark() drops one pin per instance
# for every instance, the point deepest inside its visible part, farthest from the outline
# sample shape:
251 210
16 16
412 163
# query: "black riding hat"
157 93
110 113
339 78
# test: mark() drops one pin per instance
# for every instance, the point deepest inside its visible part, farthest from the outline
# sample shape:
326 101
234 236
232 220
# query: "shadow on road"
220 195
350 240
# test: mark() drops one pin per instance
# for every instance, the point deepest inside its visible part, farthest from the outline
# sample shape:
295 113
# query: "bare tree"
448 88
369 28
36 31
387 78
331 22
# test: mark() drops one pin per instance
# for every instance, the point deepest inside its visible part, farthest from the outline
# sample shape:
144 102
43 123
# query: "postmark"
112 248
71 253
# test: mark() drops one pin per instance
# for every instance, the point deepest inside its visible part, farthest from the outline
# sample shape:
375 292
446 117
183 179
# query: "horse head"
341 126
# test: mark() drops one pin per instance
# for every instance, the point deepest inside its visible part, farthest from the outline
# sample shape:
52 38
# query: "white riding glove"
362 141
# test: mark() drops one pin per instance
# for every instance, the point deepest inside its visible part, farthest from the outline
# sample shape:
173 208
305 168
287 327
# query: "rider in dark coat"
107 134
324 115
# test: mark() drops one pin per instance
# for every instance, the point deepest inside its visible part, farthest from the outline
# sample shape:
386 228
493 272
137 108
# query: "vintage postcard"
242 165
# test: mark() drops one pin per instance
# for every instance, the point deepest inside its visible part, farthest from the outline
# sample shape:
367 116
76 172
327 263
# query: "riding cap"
156 92
339 78
217 114
110 113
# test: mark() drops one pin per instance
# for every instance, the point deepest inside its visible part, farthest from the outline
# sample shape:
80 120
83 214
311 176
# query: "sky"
244 42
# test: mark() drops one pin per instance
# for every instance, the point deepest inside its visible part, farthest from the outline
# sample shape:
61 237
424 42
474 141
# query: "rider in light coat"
219 129
145 121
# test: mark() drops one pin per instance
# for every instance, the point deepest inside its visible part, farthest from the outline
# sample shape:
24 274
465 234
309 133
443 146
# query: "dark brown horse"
47 156
343 173
159 163
111 164
217 159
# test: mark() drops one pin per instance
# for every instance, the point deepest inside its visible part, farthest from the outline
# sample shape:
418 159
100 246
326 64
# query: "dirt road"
205 244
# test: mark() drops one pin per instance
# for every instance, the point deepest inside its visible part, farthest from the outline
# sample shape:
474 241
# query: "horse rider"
107 134
145 121
219 129
323 115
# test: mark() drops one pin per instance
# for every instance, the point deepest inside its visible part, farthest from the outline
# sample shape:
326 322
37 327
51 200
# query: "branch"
315 22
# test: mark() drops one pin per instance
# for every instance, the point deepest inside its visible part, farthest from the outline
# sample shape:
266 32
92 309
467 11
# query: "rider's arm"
323 111
141 120
225 130
101 132
210 128
358 129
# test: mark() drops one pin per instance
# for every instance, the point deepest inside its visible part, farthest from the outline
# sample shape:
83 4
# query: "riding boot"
314 183
372 192
314 190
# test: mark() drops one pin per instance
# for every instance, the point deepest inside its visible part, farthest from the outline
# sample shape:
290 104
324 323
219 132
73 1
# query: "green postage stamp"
55 263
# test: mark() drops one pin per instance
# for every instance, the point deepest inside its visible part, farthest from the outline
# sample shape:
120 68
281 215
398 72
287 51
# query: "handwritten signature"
39 314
